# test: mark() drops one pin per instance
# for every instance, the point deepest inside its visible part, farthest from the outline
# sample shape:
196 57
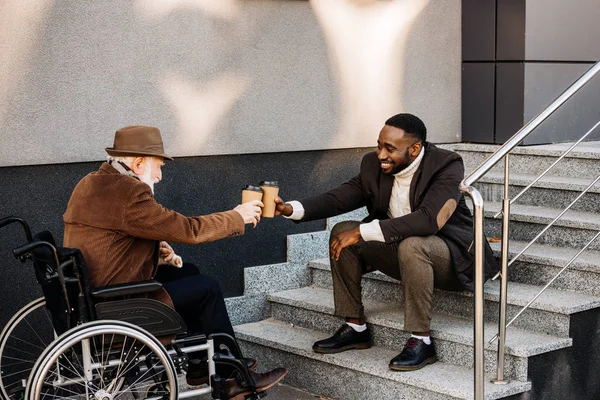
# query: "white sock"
425 339
358 328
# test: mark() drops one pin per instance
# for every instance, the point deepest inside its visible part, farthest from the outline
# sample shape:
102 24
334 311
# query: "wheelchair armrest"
125 289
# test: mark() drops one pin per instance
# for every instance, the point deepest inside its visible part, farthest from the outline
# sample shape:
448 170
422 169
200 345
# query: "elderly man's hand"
166 252
250 211
282 208
343 240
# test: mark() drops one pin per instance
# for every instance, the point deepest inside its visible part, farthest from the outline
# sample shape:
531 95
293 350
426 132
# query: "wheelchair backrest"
70 307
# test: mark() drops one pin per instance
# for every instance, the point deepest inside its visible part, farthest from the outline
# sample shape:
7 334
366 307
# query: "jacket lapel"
413 185
416 176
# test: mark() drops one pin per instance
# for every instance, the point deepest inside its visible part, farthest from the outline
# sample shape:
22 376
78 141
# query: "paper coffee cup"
270 191
250 193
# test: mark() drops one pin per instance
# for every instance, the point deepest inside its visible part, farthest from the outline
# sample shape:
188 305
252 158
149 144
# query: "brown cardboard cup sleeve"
270 191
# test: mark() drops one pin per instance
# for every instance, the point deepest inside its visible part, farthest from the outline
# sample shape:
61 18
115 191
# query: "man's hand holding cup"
250 211
282 208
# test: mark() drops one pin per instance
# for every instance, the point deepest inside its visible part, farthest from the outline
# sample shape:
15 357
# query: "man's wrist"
296 208
289 210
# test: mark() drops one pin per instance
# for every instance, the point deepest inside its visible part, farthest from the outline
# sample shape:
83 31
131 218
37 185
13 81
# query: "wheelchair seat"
115 302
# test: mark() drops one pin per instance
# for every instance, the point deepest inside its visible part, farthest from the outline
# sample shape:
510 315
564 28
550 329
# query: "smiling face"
396 149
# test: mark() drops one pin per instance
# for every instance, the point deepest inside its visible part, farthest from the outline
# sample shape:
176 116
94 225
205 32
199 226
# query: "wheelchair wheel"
22 341
104 360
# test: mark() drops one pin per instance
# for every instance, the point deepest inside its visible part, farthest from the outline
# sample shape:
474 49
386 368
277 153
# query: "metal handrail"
466 187
563 155
550 224
525 307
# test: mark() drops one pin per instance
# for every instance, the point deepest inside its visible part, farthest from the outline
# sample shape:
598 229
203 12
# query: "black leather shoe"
415 355
346 338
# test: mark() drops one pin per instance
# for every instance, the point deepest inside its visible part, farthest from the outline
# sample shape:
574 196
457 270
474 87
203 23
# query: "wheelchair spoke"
16 373
18 361
120 361
20 350
121 356
128 367
80 375
36 334
23 340
27 343
101 362
147 377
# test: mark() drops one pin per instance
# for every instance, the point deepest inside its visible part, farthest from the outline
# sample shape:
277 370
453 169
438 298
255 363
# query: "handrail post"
478 289
503 278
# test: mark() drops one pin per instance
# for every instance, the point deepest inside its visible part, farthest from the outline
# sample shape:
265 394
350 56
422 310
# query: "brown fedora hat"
138 141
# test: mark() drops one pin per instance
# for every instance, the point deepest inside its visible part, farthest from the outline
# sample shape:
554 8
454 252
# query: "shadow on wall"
369 60
218 77
227 77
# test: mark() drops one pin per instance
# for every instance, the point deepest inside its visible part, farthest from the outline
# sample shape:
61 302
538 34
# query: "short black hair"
410 124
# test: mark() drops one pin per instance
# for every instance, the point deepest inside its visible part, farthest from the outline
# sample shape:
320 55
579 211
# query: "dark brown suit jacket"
117 224
437 206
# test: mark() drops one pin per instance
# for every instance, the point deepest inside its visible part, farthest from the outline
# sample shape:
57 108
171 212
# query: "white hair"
128 160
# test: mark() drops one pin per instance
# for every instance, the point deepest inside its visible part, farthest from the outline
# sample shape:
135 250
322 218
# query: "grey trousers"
420 263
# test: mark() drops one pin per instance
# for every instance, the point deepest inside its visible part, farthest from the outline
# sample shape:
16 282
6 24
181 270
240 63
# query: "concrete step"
581 162
550 191
550 313
313 308
540 263
574 229
354 375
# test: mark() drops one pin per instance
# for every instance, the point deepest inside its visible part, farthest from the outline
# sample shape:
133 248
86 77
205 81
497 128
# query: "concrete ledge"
275 277
249 308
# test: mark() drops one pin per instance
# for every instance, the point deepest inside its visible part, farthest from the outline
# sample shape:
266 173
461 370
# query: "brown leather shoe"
232 389
197 373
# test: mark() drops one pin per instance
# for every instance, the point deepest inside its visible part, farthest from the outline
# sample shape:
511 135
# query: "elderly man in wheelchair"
127 327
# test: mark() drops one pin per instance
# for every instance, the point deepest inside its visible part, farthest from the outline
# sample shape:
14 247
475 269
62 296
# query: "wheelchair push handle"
28 248
10 220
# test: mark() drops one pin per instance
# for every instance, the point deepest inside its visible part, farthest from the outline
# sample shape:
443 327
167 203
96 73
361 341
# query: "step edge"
556 342
591 303
517 386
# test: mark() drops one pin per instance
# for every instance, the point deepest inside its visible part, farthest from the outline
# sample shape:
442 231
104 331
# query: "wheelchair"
104 343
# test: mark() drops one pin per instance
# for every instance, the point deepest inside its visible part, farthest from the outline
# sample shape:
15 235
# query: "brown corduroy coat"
117 224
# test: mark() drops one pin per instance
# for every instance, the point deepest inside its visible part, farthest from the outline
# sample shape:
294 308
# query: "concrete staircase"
552 349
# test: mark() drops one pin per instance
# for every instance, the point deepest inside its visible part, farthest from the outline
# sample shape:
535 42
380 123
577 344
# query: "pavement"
283 392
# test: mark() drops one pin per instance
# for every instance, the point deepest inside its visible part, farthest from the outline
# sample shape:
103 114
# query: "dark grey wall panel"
479 30
560 30
478 102
544 83
192 186
509 99
511 30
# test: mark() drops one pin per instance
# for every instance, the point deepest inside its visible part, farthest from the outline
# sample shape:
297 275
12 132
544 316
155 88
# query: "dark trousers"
421 263
197 298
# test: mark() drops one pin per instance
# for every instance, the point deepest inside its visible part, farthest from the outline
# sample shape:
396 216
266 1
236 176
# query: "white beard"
147 179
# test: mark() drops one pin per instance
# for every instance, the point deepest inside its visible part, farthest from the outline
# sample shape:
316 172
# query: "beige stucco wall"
222 77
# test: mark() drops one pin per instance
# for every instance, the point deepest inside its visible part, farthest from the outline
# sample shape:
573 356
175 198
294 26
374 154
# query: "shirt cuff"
297 210
371 232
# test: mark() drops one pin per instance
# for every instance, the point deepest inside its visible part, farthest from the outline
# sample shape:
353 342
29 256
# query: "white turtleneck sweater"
399 202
